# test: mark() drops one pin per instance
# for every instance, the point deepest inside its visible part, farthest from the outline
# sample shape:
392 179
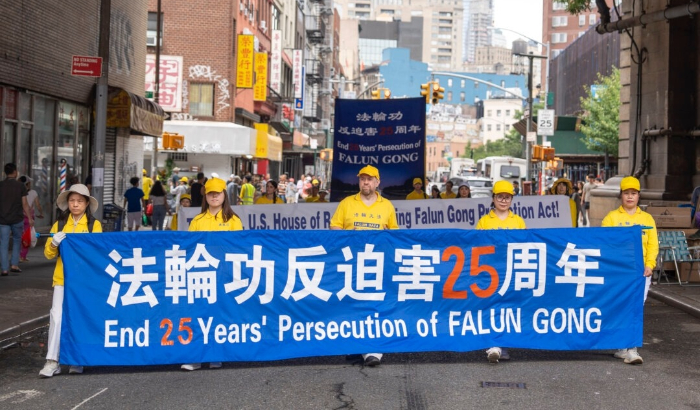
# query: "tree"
601 119
579 6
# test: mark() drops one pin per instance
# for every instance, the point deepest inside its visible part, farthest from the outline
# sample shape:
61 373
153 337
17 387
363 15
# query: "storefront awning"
127 110
214 137
268 146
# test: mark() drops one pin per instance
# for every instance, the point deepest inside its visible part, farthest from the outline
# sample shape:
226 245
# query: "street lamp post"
526 147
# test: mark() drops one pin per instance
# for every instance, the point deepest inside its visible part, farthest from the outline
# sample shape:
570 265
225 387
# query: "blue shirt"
133 197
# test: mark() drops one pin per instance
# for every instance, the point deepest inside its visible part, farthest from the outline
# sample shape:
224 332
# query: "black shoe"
372 361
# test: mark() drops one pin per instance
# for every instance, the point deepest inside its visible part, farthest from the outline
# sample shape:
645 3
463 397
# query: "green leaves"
601 118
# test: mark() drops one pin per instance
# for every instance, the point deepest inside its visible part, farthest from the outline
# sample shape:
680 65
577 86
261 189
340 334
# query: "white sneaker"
633 357
493 354
621 354
215 365
50 369
191 366
75 370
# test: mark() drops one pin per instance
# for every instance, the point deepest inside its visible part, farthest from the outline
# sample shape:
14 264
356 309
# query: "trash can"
112 217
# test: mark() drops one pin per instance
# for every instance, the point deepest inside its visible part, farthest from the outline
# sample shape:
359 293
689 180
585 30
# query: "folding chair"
667 253
674 247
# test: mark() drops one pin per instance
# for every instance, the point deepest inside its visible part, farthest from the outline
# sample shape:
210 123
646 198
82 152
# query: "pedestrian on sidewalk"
627 215
158 201
33 202
77 207
13 207
216 215
135 205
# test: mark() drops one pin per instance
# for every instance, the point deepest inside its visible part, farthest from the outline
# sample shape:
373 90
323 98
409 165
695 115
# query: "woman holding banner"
464 191
629 214
563 186
216 215
75 218
500 217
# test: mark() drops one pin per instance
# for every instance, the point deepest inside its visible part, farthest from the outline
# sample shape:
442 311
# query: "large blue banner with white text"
387 134
183 297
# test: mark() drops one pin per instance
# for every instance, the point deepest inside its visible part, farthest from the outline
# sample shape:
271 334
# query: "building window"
488 127
463 83
177 156
152 29
449 95
507 113
462 97
507 127
559 38
488 113
559 6
498 127
592 19
275 18
449 82
201 100
560 21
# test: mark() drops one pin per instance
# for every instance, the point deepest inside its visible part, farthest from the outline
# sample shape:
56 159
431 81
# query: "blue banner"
183 297
387 134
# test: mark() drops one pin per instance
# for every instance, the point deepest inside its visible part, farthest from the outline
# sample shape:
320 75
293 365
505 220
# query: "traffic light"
437 93
375 94
173 140
426 91
548 154
537 154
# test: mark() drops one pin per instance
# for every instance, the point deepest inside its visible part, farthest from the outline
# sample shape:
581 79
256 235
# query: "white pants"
647 282
377 355
55 324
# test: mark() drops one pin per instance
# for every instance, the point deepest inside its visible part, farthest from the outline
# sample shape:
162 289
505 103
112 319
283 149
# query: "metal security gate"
110 169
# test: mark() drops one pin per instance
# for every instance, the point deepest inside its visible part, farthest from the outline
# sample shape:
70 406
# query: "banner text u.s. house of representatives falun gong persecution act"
183 297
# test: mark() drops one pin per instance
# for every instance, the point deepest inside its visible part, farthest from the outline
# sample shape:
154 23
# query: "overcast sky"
523 16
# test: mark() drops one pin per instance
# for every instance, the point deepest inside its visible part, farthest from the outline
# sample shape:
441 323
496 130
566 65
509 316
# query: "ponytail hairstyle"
274 192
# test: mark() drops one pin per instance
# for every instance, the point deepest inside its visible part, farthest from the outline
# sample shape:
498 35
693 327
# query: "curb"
680 302
22 327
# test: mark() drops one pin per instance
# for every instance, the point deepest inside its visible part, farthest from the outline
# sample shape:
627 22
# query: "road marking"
27 394
90 398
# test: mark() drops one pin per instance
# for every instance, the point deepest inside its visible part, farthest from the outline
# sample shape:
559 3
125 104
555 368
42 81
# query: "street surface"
551 380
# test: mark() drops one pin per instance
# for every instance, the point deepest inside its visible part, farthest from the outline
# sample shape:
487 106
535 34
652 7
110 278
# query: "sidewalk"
25 298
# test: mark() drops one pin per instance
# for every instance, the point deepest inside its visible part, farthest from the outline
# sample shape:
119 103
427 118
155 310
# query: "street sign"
86 66
545 122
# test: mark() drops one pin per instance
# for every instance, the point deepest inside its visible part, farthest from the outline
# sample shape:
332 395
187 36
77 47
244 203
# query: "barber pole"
63 171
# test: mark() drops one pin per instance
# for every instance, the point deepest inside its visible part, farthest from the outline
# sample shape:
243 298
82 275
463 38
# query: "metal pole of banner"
98 153
156 85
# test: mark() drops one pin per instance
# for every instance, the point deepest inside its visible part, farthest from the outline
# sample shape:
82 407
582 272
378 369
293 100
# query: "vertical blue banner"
387 134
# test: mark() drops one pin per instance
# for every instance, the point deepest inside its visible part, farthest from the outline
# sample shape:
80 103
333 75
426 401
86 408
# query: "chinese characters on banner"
184 297
244 68
170 89
387 134
260 88
296 73
276 61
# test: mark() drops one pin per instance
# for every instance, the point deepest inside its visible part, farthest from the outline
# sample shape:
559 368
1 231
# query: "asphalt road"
531 380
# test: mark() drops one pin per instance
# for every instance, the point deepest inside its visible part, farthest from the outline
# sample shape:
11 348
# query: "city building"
477 33
498 117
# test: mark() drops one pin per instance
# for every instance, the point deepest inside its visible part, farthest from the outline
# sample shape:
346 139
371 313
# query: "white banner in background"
550 211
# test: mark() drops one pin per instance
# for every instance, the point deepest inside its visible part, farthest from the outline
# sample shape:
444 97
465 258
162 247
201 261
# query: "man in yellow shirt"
417 192
448 194
247 191
366 210
146 186
322 196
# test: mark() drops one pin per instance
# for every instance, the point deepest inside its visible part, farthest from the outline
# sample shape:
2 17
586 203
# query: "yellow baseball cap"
144 171
417 181
503 187
369 170
185 196
184 179
214 185
629 183
314 182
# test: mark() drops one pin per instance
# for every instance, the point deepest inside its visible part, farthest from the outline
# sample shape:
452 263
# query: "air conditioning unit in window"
263 26
151 41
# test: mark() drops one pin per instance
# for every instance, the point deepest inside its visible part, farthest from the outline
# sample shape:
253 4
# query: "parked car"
480 187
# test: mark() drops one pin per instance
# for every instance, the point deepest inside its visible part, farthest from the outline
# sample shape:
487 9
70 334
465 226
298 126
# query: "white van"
502 168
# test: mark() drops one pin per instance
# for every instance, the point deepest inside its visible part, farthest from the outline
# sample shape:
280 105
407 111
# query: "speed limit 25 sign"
545 122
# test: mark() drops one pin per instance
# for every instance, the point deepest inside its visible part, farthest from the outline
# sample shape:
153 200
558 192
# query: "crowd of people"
215 198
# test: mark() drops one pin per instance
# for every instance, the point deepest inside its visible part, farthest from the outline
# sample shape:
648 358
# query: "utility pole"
526 145
98 154
156 85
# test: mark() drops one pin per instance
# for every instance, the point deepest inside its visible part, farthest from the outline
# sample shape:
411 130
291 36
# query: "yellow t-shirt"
247 194
50 252
311 198
416 195
492 221
264 201
449 195
650 239
352 213
146 187
205 222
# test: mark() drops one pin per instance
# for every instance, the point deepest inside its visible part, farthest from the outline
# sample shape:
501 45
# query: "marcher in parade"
313 192
77 207
448 194
216 215
417 192
563 186
270 196
435 192
322 196
464 191
629 214
357 212
158 202
500 217
185 202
